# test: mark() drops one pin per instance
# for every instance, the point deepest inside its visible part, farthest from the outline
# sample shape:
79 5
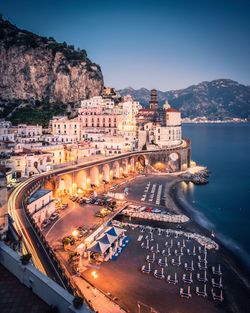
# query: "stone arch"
94 176
124 166
116 169
106 173
175 161
65 184
131 165
81 179
142 161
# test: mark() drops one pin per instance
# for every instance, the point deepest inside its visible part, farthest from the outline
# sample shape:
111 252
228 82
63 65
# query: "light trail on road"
32 242
21 228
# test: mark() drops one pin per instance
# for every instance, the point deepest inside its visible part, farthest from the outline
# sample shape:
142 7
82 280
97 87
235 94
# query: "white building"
23 164
66 130
162 136
38 200
40 205
5 131
79 152
108 119
25 130
96 102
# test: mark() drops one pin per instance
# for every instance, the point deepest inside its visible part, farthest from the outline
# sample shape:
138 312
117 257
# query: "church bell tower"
153 103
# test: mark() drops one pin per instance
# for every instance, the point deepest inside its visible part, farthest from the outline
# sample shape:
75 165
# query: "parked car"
98 214
156 211
53 216
45 223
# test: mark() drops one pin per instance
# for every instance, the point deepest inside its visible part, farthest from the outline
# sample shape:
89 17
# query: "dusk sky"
147 43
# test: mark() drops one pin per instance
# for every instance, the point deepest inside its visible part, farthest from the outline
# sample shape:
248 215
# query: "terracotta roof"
172 110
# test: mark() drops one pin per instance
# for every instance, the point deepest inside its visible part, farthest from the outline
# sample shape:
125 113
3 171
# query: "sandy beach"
235 274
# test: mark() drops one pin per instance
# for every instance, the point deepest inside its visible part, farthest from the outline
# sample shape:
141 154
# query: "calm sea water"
225 201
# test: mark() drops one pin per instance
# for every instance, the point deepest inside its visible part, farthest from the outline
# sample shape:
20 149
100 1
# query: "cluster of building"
102 126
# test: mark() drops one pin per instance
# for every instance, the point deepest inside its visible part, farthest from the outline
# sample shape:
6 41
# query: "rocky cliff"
217 99
35 68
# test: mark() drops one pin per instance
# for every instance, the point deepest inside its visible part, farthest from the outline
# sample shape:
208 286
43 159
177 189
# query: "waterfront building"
162 136
169 135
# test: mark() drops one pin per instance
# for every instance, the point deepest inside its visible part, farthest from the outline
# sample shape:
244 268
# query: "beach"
235 274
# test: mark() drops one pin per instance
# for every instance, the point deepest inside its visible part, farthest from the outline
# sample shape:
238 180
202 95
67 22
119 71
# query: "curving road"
31 241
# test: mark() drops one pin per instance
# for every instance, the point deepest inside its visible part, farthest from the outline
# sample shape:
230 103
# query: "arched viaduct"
93 174
80 176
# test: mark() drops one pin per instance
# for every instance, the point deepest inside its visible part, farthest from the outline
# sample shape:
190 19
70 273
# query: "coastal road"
31 241
74 216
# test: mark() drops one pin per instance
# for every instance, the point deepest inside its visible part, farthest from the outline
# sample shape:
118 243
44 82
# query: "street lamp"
94 274
75 233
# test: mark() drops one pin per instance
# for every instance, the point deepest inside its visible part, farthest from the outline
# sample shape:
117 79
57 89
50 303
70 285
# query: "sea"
224 203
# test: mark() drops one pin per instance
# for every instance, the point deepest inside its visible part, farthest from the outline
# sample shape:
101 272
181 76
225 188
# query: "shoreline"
236 276
233 260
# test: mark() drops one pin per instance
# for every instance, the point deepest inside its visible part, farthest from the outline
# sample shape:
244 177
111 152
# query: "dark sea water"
225 201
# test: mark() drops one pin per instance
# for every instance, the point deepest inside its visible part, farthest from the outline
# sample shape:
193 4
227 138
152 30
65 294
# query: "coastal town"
96 186
101 126
124 157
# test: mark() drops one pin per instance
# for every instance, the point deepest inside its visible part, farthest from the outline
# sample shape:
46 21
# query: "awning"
98 247
115 231
107 239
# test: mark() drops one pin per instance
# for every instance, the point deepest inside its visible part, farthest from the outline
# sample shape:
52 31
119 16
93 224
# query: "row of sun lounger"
185 293
187 278
201 292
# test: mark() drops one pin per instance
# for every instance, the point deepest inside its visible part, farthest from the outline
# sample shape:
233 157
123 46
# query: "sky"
147 43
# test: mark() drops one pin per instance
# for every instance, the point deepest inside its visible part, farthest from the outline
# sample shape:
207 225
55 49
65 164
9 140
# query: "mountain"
37 71
218 99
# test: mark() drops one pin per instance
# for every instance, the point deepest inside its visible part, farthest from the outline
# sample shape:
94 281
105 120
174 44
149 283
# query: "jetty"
198 177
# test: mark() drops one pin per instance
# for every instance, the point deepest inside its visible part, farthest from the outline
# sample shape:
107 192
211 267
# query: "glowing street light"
94 274
75 233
